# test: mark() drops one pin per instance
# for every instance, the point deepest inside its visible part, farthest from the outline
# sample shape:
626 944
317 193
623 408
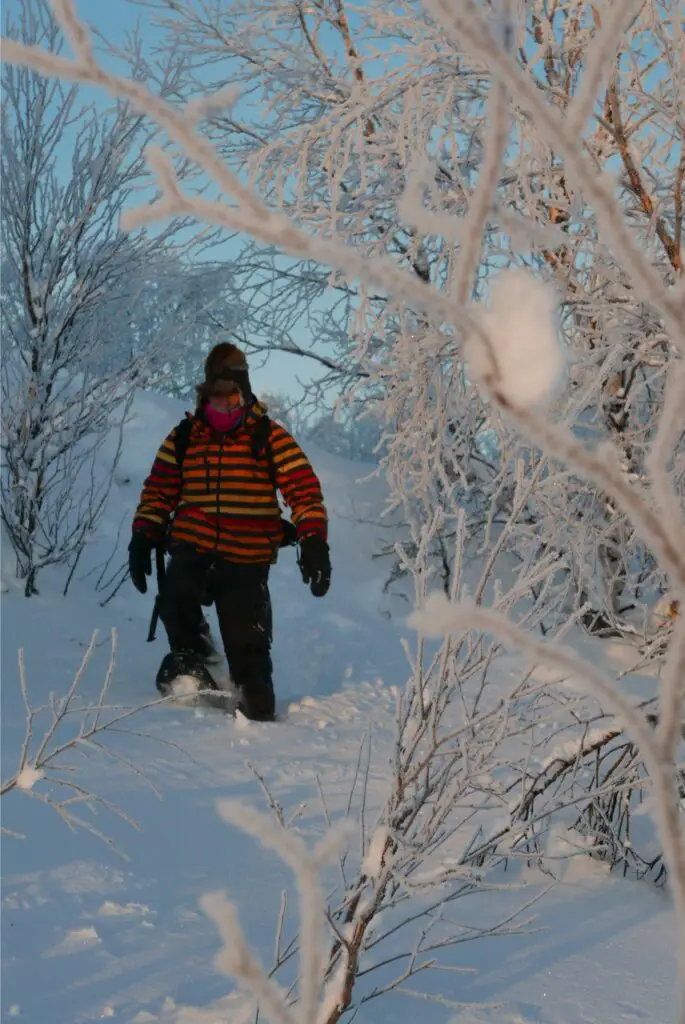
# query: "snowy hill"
91 932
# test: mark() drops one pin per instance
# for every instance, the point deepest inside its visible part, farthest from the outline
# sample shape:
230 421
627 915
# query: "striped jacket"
222 499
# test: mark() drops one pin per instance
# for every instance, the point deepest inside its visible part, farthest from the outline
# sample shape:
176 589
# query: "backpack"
261 446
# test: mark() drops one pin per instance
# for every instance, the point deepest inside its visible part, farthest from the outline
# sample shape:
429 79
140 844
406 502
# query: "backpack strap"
181 440
261 446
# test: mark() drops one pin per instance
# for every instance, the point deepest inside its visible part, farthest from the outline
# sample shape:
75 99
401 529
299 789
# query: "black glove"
140 560
315 564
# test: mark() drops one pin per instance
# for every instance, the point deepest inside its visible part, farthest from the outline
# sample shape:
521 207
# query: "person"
216 511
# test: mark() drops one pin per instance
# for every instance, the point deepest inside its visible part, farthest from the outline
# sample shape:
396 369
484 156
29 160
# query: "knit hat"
225 366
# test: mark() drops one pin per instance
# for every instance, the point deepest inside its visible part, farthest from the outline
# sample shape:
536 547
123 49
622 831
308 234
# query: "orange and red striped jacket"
222 499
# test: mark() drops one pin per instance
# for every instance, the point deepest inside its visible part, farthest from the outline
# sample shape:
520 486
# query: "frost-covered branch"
653 513
87 310
247 212
316 1001
74 725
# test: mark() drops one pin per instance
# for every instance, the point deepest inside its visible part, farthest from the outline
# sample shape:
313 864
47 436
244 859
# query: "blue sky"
280 372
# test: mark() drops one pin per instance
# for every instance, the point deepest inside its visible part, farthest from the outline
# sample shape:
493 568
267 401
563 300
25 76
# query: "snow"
131 938
520 321
571 748
111 909
28 777
373 861
74 941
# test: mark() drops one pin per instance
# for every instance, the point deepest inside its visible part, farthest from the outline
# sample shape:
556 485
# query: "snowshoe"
183 674
183 663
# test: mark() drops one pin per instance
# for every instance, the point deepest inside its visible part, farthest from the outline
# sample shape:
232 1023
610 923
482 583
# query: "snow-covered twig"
236 958
77 329
77 726
465 21
654 515
250 215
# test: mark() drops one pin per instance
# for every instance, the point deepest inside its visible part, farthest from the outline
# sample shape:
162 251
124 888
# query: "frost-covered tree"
282 409
632 127
346 116
349 433
70 278
303 131
180 308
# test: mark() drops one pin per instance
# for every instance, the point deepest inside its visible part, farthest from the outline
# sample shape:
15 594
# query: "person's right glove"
315 564
140 560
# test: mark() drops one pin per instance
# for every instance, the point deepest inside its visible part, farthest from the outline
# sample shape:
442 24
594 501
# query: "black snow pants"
243 605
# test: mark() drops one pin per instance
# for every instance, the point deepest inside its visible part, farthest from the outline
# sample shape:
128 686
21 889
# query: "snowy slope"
88 935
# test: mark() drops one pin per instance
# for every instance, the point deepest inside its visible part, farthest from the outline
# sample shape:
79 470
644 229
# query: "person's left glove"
315 564
140 560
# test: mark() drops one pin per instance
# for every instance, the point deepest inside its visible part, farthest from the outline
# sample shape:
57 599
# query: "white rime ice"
29 776
520 323
373 862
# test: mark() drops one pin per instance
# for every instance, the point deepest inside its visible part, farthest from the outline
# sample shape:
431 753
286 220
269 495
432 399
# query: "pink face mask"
223 420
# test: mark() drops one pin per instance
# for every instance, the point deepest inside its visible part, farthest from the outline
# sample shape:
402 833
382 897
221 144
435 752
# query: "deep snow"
88 935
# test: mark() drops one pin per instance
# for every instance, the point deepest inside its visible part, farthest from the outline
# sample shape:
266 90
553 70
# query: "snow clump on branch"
517 350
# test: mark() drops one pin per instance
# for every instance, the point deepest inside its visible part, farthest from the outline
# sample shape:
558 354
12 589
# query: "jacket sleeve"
299 484
160 494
